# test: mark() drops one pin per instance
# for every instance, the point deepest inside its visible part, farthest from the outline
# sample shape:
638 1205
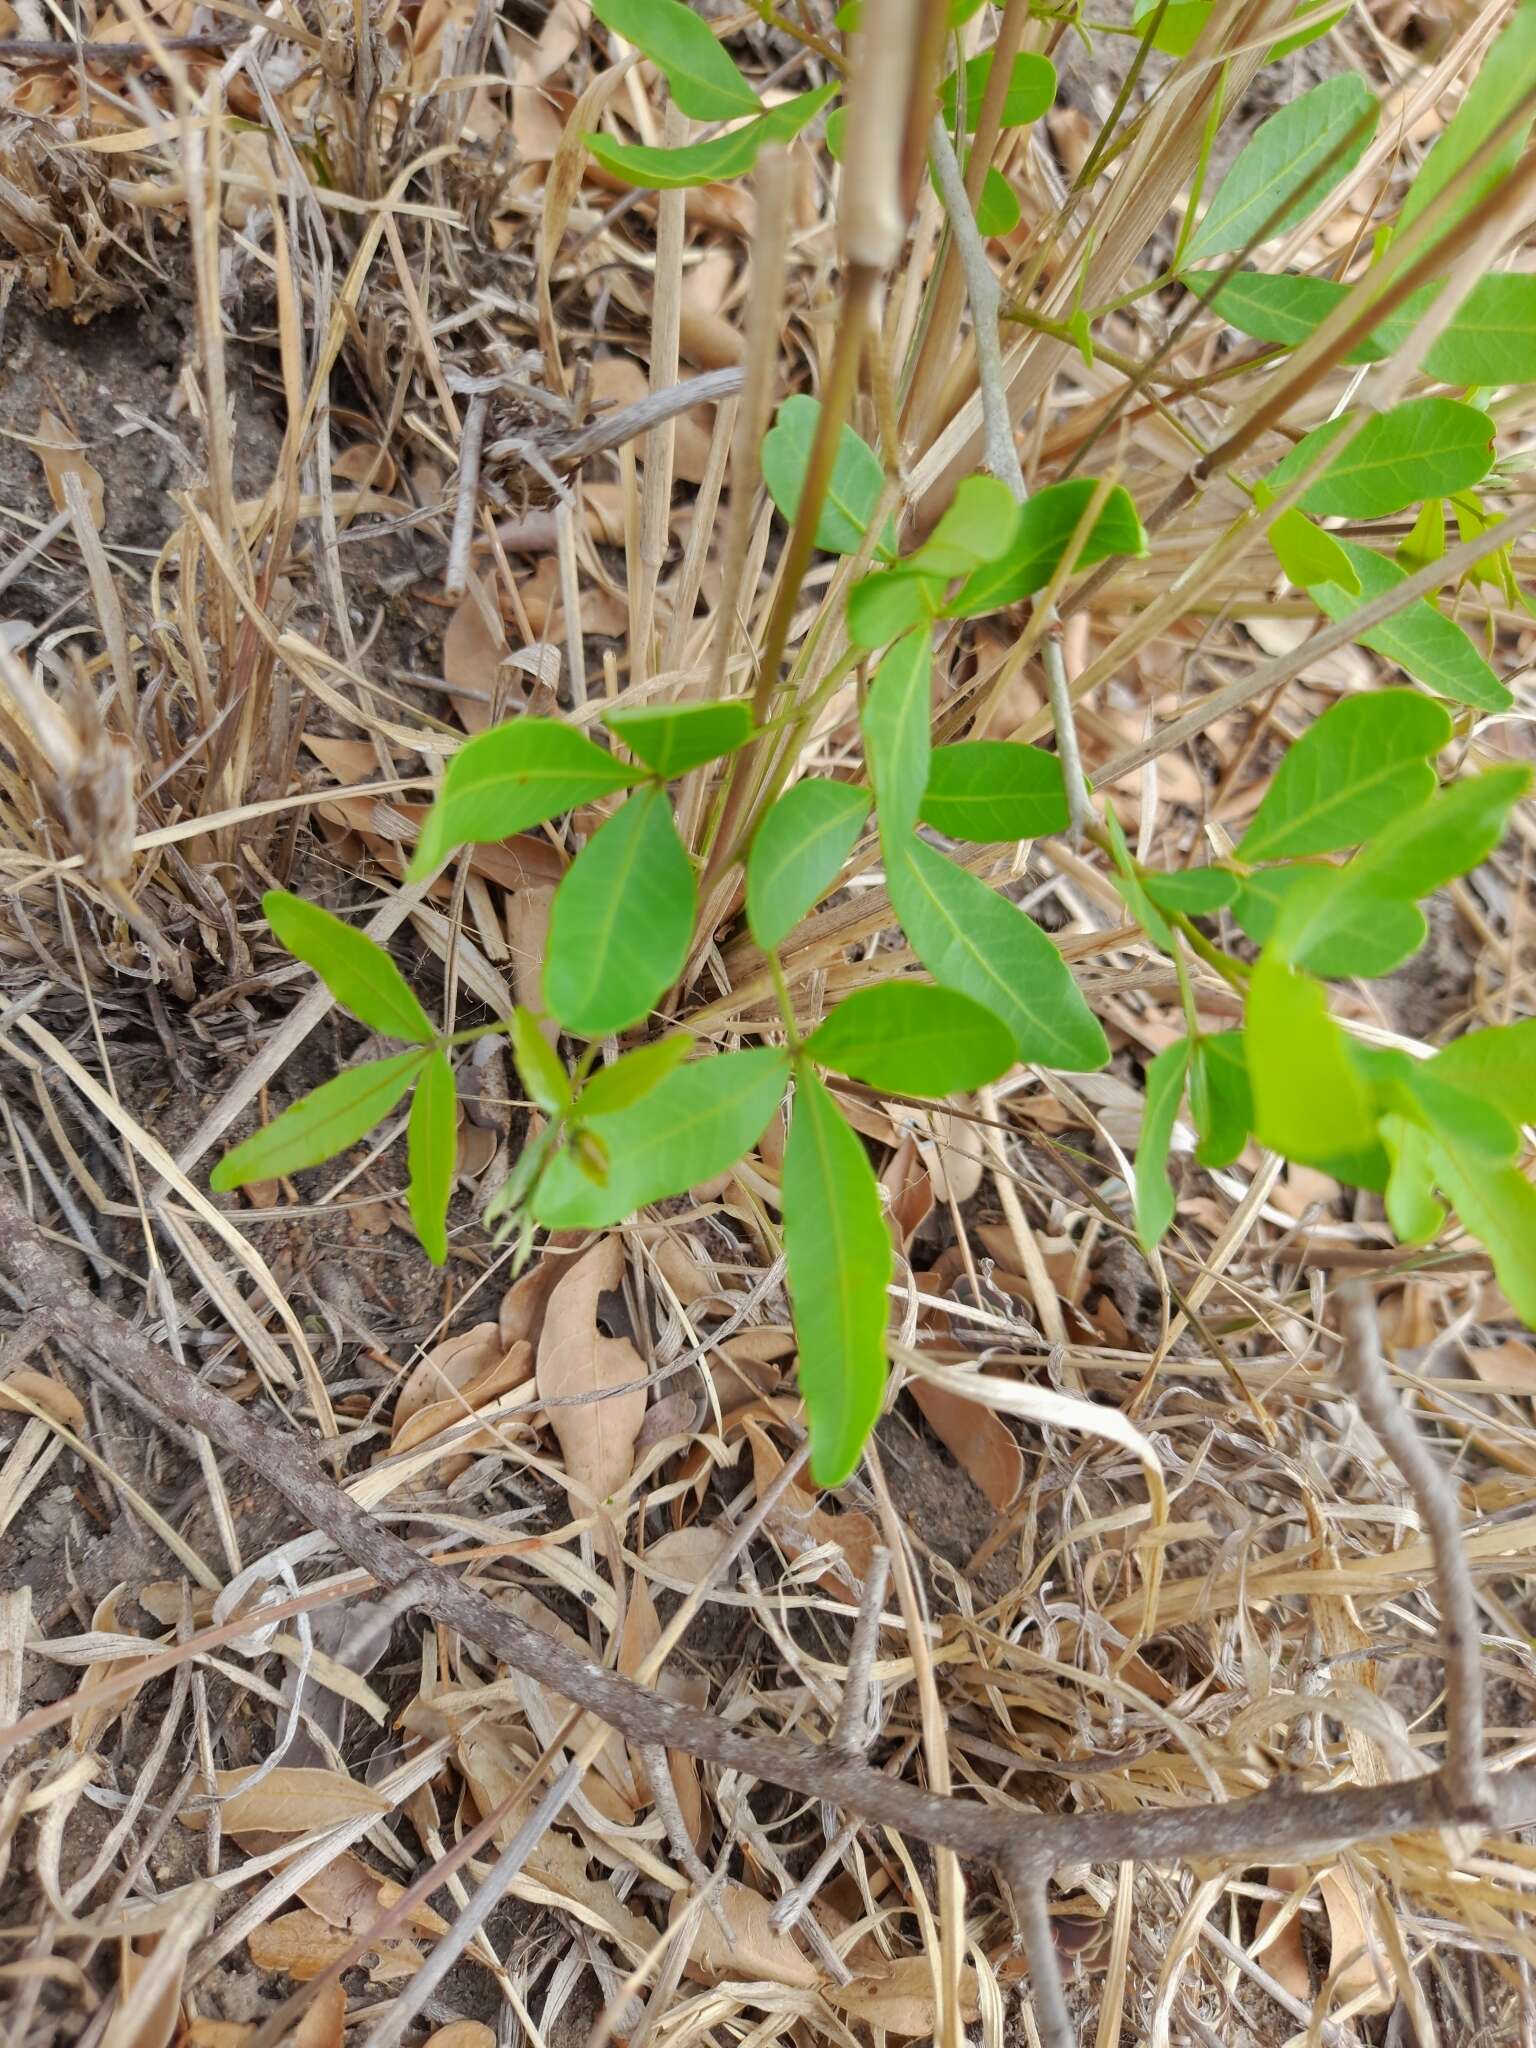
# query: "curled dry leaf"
671 1416
1369 1977
291 1802
219 2033
347 1893
87 1725
977 1438
753 1951
511 1371
448 1368
25 1386
162 1599
689 1278
579 1371
474 647
61 454
523 1306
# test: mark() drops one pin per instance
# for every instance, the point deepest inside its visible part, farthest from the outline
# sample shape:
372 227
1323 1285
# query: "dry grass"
374 243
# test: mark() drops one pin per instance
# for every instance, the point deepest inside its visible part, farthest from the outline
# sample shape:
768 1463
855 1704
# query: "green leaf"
1308 555
895 722
708 163
798 853
1220 1099
1042 537
1506 75
513 776
694 1124
885 604
432 1148
1194 892
319 1125
672 738
1499 1065
978 528
358 973
988 791
913 1039
1310 1101
972 939
1279 177
633 1075
839 1255
1432 648
543 1073
1499 1208
1153 1192
703 80
1365 760
853 493
1456 1114
1421 850
1271 306
1424 449
1366 939
1031 89
998 211
621 920
1490 340
1412 1210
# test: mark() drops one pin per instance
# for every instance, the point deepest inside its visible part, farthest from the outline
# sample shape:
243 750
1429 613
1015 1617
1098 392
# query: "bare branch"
1000 452
1283 1824
1465 1772
1048 1994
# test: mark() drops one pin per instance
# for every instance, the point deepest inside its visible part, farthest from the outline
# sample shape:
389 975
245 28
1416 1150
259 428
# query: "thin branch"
1365 1375
467 494
1000 454
1284 1824
470 1918
664 1799
1000 451
1047 1992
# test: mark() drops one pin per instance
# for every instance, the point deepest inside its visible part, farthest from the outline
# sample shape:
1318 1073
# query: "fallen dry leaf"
462 2034
302 1945
324 2018
578 1370
754 1951
1510 1366
290 1802
901 2001
977 1438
